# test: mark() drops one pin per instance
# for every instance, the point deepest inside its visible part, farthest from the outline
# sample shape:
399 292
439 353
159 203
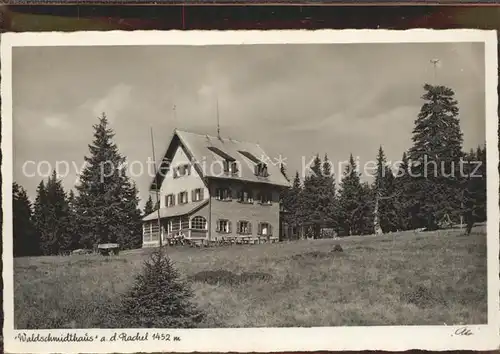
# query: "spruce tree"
72 222
292 207
148 207
474 194
40 214
159 298
353 206
327 198
403 202
129 230
107 202
385 218
435 157
56 238
26 242
312 199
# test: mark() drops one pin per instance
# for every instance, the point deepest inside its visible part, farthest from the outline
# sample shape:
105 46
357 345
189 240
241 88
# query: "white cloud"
115 100
55 121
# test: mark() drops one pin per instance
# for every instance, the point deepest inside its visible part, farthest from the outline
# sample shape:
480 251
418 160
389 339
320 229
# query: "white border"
396 338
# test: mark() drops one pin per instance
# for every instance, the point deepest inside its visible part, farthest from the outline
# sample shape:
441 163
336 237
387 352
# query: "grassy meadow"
427 278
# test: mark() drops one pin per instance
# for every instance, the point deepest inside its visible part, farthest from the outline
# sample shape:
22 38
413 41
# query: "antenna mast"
174 107
218 123
156 188
435 63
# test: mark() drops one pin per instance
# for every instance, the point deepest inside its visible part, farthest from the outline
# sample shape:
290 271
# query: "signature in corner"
463 331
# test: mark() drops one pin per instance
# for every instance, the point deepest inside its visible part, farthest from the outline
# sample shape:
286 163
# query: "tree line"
435 185
104 209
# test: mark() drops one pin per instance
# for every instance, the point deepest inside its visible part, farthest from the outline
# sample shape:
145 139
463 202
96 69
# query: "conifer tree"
403 202
474 194
148 207
72 222
107 202
40 214
159 298
50 217
327 200
384 193
312 199
25 240
293 212
353 206
435 157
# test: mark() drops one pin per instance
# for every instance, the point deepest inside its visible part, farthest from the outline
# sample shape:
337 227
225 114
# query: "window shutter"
193 195
173 199
229 226
249 227
202 190
217 226
166 200
270 229
256 170
238 227
259 230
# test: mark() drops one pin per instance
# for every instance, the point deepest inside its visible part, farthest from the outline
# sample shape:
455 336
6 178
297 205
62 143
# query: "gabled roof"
208 150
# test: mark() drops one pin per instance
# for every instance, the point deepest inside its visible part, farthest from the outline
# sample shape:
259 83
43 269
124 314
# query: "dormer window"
229 162
231 167
261 170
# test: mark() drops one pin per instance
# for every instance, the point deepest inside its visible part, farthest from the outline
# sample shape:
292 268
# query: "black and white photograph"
250 191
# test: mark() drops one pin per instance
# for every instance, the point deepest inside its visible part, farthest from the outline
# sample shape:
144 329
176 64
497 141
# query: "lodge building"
215 189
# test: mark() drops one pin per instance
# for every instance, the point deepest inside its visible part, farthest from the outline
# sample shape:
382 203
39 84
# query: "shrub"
159 298
337 248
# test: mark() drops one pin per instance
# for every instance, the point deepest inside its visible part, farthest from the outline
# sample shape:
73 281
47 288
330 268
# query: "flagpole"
156 188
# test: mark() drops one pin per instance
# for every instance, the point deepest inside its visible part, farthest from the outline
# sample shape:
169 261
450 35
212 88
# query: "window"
223 194
244 227
199 223
182 170
265 229
245 196
175 224
183 197
146 232
170 200
230 167
197 194
223 226
265 198
184 222
261 170
155 231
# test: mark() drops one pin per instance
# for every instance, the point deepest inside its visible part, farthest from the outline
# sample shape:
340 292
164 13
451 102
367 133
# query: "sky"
295 100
